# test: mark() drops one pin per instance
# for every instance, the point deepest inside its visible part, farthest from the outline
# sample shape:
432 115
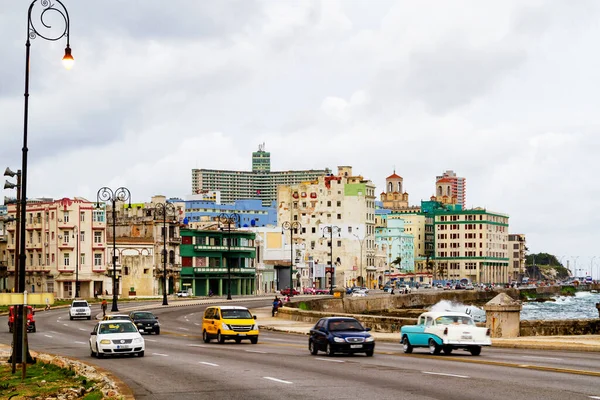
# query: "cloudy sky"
502 92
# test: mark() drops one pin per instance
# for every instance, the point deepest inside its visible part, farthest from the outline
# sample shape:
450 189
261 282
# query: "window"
81 216
66 259
349 229
97 237
97 259
314 230
39 259
339 216
98 216
65 236
339 243
81 259
82 236
66 216
339 203
329 203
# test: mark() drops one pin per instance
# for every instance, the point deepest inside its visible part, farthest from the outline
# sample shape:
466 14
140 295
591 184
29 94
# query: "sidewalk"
563 343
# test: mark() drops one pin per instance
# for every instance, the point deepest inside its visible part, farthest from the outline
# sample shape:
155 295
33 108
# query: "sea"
580 306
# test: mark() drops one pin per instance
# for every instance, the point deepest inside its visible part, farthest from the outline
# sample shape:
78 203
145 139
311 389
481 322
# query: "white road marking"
183 329
207 363
277 380
327 359
197 324
66 324
160 354
47 335
150 340
256 351
594 397
82 329
542 358
81 342
442 374
196 345
271 339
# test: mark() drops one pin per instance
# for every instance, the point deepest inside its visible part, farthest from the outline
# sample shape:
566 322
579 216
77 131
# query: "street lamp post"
330 229
56 7
163 210
76 235
361 242
229 219
291 226
121 194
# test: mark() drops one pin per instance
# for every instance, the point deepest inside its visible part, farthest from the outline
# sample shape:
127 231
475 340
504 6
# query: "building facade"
450 185
218 259
337 217
260 183
517 255
252 212
398 244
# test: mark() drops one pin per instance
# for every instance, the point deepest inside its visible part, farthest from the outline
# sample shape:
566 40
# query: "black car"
340 335
145 321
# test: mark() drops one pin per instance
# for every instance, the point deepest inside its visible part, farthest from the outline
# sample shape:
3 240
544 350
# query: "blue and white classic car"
445 331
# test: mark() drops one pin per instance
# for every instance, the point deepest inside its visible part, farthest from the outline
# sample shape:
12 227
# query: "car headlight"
369 339
138 340
156 324
254 327
105 341
338 339
225 327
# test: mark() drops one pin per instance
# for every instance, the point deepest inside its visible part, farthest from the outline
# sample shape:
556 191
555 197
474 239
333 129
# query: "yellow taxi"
229 322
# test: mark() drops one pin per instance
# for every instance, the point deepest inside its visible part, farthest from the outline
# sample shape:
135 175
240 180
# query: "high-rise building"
450 185
260 183
517 253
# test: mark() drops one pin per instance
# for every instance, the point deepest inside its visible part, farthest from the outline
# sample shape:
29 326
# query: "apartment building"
252 213
336 214
517 255
398 245
450 185
471 244
65 242
259 183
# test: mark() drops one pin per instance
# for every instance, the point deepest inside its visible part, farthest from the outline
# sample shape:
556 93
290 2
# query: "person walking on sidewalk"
275 306
104 307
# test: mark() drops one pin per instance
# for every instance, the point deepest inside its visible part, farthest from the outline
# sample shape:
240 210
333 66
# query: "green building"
204 261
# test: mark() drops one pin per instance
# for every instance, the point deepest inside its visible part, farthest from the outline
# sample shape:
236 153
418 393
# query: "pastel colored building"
252 212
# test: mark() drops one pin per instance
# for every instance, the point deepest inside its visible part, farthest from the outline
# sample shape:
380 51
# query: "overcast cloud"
502 92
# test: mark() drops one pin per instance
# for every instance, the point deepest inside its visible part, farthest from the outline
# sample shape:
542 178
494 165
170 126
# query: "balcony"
221 270
66 245
201 247
175 239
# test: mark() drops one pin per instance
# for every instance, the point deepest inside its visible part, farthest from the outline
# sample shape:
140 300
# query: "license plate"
356 346
466 337
241 334
122 347
141 329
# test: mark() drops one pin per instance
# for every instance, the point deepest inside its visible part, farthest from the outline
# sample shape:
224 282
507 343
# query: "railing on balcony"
200 247
223 269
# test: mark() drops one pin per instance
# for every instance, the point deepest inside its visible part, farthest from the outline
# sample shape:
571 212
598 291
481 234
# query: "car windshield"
345 325
117 327
236 314
80 304
143 315
454 320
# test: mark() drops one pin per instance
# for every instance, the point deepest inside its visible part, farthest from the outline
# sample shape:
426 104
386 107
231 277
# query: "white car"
183 294
445 331
80 309
359 293
116 337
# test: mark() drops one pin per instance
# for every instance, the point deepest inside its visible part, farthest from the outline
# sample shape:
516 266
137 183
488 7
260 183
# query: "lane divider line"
196 345
81 342
256 351
150 340
48 336
328 359
160 354
542 358
209 364
277 380
443 374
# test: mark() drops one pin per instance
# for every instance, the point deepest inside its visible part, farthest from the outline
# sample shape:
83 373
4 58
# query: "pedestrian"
106 292
104 307
275 307
47 304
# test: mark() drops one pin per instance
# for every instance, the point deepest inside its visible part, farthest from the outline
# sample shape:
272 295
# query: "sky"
502 92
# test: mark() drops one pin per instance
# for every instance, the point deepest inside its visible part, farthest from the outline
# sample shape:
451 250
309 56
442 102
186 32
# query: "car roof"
118 321
435 314
230 307
339 318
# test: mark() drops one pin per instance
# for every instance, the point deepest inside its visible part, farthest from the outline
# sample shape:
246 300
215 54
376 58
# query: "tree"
397 262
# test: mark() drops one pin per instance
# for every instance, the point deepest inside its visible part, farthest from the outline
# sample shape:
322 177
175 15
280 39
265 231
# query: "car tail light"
488 332
446 331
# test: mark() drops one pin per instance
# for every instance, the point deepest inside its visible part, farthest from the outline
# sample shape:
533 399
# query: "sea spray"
445 305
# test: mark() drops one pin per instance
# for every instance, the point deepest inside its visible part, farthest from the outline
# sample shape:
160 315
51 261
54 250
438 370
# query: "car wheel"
92 352
99 354
329 350
205 337
475 350
254 340
312 348
141 353
220 338
369 353
433 347
238 340
157 331
447 350
406 346
34 329
71 318
90 317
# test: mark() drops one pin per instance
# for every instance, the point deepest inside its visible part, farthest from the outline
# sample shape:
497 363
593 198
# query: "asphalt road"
179 365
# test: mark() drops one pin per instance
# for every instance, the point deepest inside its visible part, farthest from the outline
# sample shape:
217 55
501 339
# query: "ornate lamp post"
361 242
294 226
76 236
229 219
163 210
331 229
121 194
55 7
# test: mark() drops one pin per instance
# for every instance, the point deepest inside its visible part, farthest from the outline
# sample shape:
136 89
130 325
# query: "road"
179 365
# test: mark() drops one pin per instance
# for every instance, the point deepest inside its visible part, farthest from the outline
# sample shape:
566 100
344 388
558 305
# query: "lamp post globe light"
165 210
46 8
229 219
331 229
294 226
121 194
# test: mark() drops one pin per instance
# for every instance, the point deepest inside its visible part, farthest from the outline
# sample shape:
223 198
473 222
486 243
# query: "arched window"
399 187
390 187
448 191
439 190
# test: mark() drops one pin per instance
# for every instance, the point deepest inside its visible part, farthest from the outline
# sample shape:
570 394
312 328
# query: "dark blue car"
340 335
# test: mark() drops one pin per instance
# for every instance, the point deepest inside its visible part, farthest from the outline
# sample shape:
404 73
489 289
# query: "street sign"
13 299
